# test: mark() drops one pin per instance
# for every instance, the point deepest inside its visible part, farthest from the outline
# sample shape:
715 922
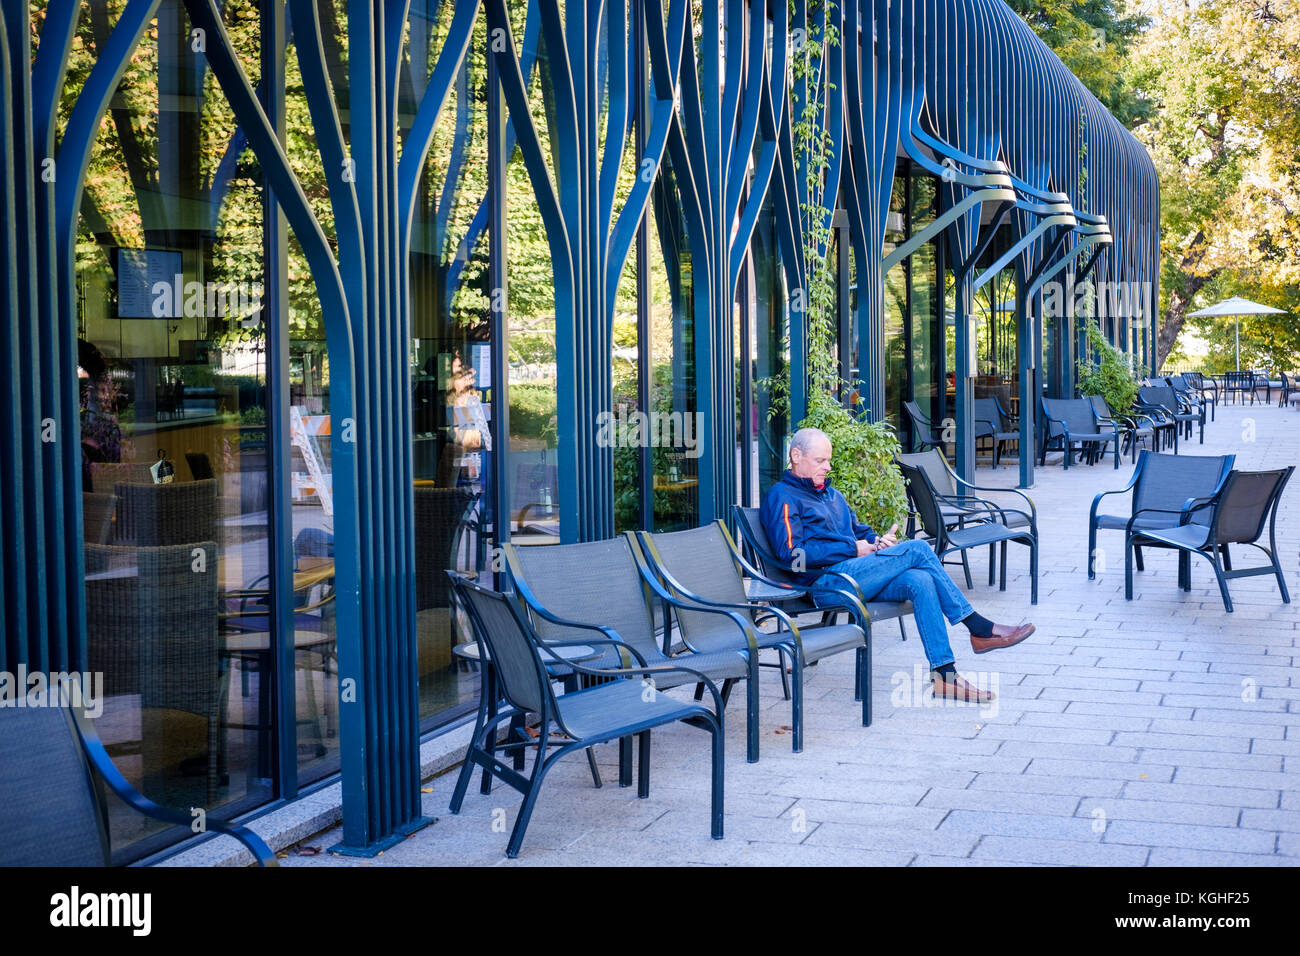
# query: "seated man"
811 527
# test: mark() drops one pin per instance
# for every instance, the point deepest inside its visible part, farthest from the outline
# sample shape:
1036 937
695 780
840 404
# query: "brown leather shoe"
958 689
1008 637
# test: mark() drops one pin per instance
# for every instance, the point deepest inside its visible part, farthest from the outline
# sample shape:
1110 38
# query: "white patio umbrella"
1235 307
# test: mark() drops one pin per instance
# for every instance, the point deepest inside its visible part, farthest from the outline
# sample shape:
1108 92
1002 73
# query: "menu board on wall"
138 270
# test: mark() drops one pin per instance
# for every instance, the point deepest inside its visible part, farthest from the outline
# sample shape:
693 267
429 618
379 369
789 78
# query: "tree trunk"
1171 323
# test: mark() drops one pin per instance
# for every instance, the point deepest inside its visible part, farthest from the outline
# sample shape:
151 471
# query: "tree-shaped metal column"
724 151
589 244
365 299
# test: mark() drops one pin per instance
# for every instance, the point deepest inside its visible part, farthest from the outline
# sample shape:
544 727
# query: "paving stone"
1157 811
1183 741
939 842
1018 850
1216 777
1172 856
1045 826
1100 768
1286 820
1223 839
1045 783
1191 793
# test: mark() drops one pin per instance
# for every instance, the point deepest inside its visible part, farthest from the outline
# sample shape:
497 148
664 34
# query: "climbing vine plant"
862 466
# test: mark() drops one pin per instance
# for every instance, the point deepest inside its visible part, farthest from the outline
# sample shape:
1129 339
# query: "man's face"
813 464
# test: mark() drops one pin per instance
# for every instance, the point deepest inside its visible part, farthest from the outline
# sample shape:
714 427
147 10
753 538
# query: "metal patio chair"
613 710
1239 383
1235 514
703 566
1207 388
53 768
989 529
1133 428
1071 421
1162 486
797 601
991 421
1179 409
958 506
571 591
1190 400
923 432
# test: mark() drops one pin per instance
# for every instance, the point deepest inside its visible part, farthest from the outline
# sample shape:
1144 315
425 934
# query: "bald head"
810 455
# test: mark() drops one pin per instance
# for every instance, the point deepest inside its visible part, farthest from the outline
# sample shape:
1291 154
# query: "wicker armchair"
158 515
152 631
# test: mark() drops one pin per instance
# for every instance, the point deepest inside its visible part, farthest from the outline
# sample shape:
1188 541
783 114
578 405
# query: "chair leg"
1128 567
1223 584
785 678
865 653
1137 554
716 811
625 761
796 703
751 713
993 564
1002 579
1227 557
595 770
643 765
1033 570
540 767
965 566
1281 581
902 627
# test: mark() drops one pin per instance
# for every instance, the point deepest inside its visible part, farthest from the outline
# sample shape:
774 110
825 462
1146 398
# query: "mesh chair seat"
1183 536
621 706
983 533
1120 522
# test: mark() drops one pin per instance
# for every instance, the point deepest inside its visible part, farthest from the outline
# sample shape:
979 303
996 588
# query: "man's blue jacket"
798 515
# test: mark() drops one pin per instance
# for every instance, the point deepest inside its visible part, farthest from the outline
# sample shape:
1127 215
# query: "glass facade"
209 401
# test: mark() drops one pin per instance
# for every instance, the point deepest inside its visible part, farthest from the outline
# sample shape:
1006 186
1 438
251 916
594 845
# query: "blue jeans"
909 571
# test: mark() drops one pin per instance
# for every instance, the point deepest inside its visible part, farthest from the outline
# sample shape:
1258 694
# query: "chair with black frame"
923 432
616 709
958 506
977 530
1189 399
1072 421
1235 514
1207 388
990 421
572 590
709 560
53 768
1160 483
1238 383
1164 397
792 596
1133 428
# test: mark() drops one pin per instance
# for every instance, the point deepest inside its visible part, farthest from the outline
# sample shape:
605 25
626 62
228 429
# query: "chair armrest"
1096 502
1185 511
121 787
545 646
652 670
1015 491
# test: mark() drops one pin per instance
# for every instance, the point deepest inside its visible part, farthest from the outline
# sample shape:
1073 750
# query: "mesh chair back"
106 475
502 629
1162 395
922 495
700 560
156 515
986 415
1245 503
935 467
440 515
595 582
51 812
1075 413
1167 481
921 427
1099 406
750 522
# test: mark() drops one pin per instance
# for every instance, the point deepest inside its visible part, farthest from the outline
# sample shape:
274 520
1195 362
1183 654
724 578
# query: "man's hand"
888 539
865 548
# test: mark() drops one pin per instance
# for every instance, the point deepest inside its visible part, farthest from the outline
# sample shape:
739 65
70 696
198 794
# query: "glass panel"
895 305
172 366
451 354
672 389
927 330
770 347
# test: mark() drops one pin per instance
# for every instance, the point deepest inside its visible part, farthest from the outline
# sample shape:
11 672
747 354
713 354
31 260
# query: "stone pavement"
1161 731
